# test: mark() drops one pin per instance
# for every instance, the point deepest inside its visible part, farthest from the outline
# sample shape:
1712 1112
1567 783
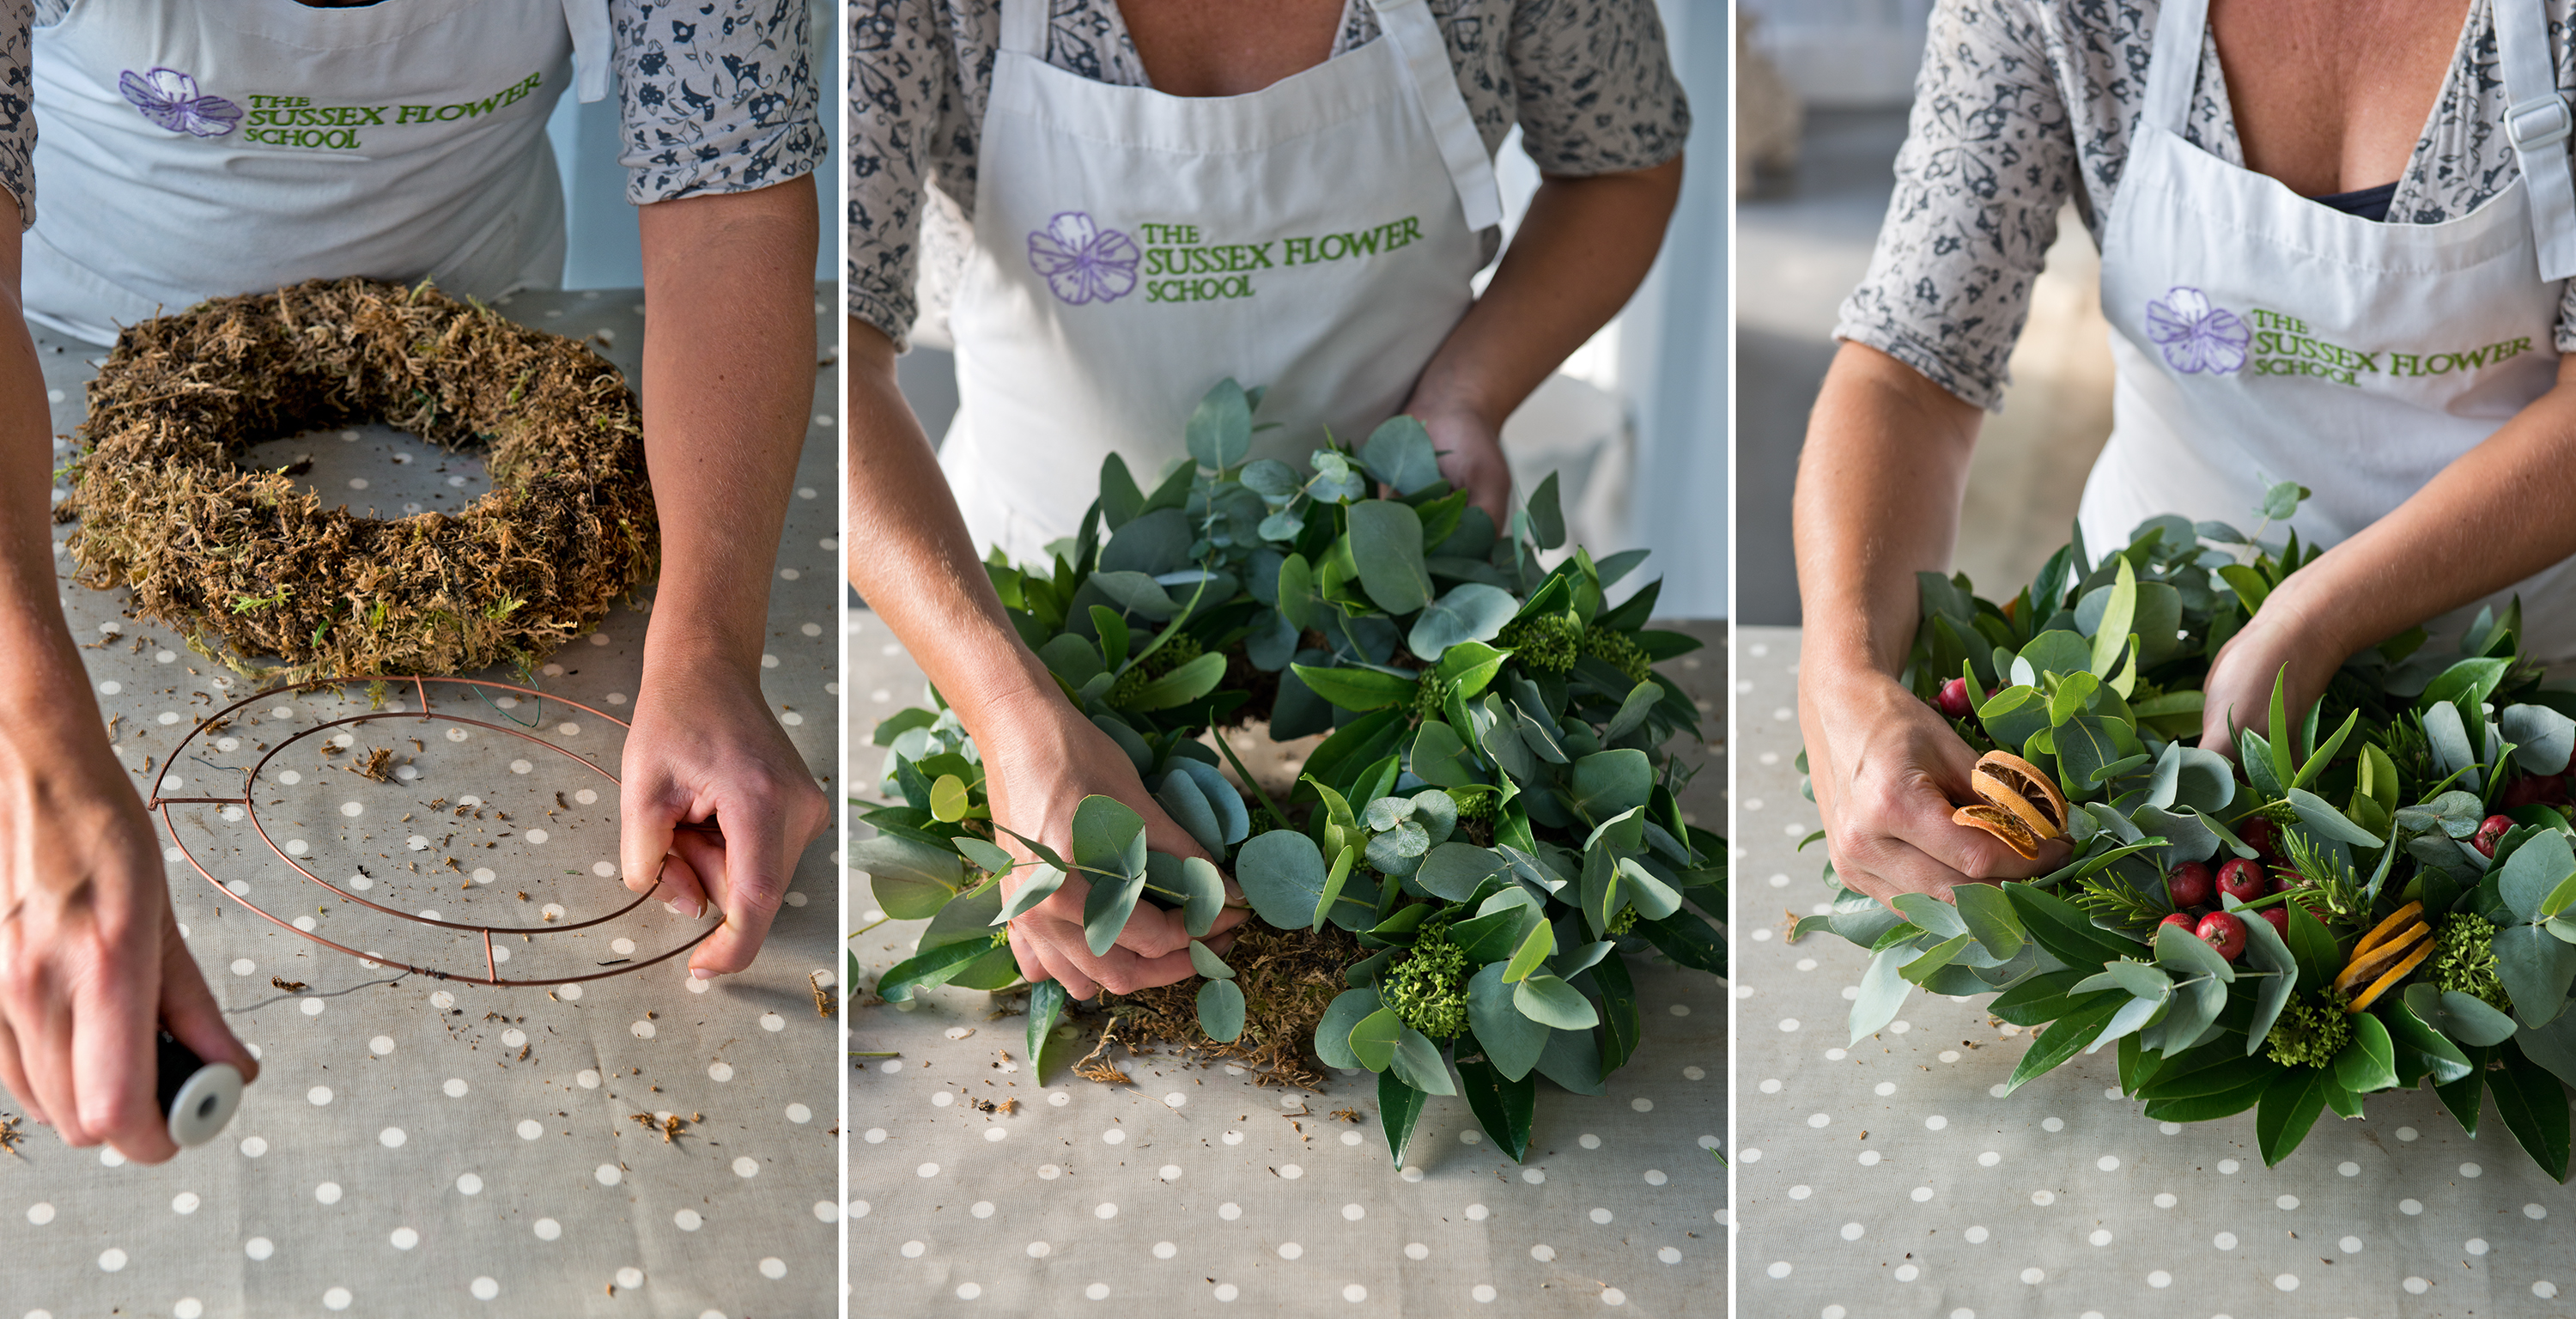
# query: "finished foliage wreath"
1491 826
2329 916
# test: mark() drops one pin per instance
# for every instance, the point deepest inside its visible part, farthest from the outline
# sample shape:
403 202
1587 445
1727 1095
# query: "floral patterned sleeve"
717 96
907 103
17 117
1593 86
1989 157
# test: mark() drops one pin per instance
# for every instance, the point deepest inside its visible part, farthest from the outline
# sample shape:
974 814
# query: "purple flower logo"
170 98
2197 335
1083 262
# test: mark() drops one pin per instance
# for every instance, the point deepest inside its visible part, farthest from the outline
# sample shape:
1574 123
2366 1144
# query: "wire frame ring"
161 804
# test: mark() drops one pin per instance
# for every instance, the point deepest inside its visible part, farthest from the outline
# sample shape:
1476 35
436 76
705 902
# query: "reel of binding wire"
197 1097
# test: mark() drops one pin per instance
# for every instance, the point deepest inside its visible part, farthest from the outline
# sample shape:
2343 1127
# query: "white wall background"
602 250
1843 54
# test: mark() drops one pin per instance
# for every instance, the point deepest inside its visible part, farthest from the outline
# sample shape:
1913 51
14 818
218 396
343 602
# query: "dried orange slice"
2395 974
2366 967
2396 921
2020 805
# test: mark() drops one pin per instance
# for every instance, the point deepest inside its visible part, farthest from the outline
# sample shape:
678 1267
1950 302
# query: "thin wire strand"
280 998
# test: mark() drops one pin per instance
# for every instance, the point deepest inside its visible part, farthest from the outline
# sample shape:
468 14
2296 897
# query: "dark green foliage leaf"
2289 1107
2465 1096
1046 1003
1418 1063
1502 1104
912 880
2041 998
935 966
1399 453
1573 1061
2065 931
2314 946
2369 1062
1398 1105
2533 1103
1688 940
2072 1033
1546 520
1220 428
1374 1039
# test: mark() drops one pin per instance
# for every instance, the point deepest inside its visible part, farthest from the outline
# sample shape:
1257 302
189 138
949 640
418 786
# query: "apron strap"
2173 64
2538 123
1024 27
590 47
1425 54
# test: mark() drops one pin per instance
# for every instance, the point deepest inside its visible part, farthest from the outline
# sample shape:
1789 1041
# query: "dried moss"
252 566
1288 977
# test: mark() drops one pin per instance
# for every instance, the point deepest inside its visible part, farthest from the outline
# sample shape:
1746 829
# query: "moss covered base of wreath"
1288 977
252 565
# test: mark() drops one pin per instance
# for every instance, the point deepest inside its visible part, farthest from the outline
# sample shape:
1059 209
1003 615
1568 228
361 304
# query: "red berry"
2260 834
2490 832
2280 918
1954 701
2243 880
2223 931
2189 884
2177 918
2528 790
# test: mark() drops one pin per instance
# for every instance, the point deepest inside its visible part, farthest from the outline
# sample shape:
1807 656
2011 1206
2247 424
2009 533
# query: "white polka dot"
318 1095
2410 1207
404 1238
2477 1246
2349 1245
2108 1163
2224 1241
2348 1168
724 1072
2043 1198
687 1220
2033 1276
1482 1292
1935 1122
630 1278
469 1184
111 1260
259 1248
1780 1268
1098 1291
1229 1211
746 1166
1290 1250
2416 1286
1113 1136
1976 1235
484 1289
548 1229
1356 1293
185 1202
2470 1170
774 1268
1291 1172
642 1030
2544 1289
328 1193
252 1147
1989 1159
2534 1211
2160 1279
609 1174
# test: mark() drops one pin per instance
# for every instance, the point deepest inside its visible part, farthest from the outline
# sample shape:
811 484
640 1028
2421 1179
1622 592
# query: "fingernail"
701 973
692 911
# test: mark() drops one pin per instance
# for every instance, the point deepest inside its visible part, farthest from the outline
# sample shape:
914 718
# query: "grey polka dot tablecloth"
1892 1177
436 1149
1199 1191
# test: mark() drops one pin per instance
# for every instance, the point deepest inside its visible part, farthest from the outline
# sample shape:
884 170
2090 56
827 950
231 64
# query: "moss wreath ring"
250 564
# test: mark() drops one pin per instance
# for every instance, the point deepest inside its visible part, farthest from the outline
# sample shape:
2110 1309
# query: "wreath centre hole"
376 471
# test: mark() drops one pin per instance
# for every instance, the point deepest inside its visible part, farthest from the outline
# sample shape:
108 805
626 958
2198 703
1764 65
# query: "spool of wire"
198 1098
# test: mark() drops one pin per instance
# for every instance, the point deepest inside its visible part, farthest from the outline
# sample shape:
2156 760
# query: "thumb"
648 814
190 1013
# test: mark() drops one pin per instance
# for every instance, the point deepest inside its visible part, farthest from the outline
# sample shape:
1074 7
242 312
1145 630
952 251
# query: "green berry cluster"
2464 960
1551 642
1619 651
1625 921
2313 1028
1430 698
1176 652
1428 988
1474 805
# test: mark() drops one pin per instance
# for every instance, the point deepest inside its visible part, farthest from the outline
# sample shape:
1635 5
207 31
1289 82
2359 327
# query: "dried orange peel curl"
2018 805
2386 956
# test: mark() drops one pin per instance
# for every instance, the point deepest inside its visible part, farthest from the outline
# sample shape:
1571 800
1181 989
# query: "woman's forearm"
729 358
911 557
2499 513
1579 254
1880 482
44 691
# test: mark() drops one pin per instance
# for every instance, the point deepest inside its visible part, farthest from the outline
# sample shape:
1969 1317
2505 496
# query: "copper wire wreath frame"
492 968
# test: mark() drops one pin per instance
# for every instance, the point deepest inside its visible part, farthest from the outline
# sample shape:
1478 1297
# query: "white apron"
2263 337
1134 248
195 148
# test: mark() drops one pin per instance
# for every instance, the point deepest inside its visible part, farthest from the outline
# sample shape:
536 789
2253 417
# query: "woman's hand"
91 964
1044 758
1887 770
1471 458
2289 630
705 746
